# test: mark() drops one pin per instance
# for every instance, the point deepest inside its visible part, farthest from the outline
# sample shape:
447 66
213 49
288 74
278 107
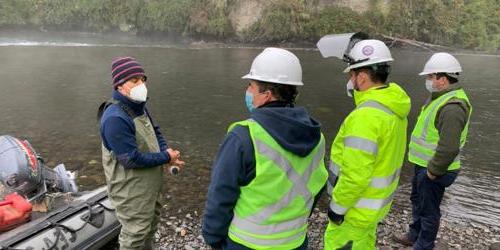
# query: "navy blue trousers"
426 196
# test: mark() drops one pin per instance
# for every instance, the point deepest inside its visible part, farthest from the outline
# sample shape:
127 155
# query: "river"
50 91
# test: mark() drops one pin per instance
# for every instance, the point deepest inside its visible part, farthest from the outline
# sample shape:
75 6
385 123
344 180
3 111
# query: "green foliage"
376 20
461 23
210 18
281 21
15 12
336 20
429 21
480 25
58 12
468 24
165 15
95 15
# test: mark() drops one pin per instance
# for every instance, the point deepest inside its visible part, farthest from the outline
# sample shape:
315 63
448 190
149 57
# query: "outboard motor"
22 170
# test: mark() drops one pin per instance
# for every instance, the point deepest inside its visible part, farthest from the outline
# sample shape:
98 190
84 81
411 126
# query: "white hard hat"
276 65
441 63
368 52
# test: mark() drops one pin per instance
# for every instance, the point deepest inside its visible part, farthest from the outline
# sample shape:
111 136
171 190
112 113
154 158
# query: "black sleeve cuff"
434 170
216 246
334 217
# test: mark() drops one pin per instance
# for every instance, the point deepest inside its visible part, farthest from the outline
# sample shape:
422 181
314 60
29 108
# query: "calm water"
49 95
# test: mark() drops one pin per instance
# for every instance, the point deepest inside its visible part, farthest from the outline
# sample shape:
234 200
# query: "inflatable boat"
72 220
86 222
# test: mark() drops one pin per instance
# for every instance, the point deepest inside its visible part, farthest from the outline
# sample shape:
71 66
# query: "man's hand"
176 164
174 155
431 176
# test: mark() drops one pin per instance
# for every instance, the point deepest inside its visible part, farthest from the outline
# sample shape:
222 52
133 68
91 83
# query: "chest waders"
135 193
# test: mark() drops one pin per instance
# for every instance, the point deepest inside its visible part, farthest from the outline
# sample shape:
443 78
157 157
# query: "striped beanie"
124 68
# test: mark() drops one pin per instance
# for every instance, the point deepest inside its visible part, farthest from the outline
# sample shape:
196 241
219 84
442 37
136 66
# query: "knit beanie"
124 68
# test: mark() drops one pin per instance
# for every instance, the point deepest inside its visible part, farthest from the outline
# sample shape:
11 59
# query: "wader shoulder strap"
111 101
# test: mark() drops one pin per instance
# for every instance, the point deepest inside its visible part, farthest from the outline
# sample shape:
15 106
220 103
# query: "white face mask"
429 86
139 93
349 88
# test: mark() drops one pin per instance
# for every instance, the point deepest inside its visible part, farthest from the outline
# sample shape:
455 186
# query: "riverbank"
464 24
37 38
184 232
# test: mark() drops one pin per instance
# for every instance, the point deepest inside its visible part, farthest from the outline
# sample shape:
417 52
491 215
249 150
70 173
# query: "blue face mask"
249 101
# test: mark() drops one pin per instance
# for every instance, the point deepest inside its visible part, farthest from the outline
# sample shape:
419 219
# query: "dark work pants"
426 196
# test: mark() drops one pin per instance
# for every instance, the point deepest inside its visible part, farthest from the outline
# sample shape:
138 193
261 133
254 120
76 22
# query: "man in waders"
435 147
133 152
368 151
270 168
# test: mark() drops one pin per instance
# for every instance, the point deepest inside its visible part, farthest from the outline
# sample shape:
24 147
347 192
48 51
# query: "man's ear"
442 81
270 96
362 78
121 89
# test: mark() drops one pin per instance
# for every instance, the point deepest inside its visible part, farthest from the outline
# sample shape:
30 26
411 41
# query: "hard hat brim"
263 79
367 63
424 73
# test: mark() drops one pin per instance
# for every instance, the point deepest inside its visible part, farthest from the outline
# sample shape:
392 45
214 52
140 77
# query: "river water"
50 91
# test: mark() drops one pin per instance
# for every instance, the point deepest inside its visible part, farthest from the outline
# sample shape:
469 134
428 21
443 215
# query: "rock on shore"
184 232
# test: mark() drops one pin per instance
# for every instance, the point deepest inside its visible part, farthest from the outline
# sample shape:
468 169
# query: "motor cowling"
22 171
20 167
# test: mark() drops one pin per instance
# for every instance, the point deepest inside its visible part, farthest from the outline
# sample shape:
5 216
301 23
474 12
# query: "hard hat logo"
368 50
366 53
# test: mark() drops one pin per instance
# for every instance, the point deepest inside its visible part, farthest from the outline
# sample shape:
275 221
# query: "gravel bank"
184 232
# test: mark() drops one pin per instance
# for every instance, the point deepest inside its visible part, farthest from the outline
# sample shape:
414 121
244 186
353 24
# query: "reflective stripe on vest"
375 105
333 174
423 143
267 242
375 204
252 224
361 144
383 182
375 182
427 122
429 146
427 158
